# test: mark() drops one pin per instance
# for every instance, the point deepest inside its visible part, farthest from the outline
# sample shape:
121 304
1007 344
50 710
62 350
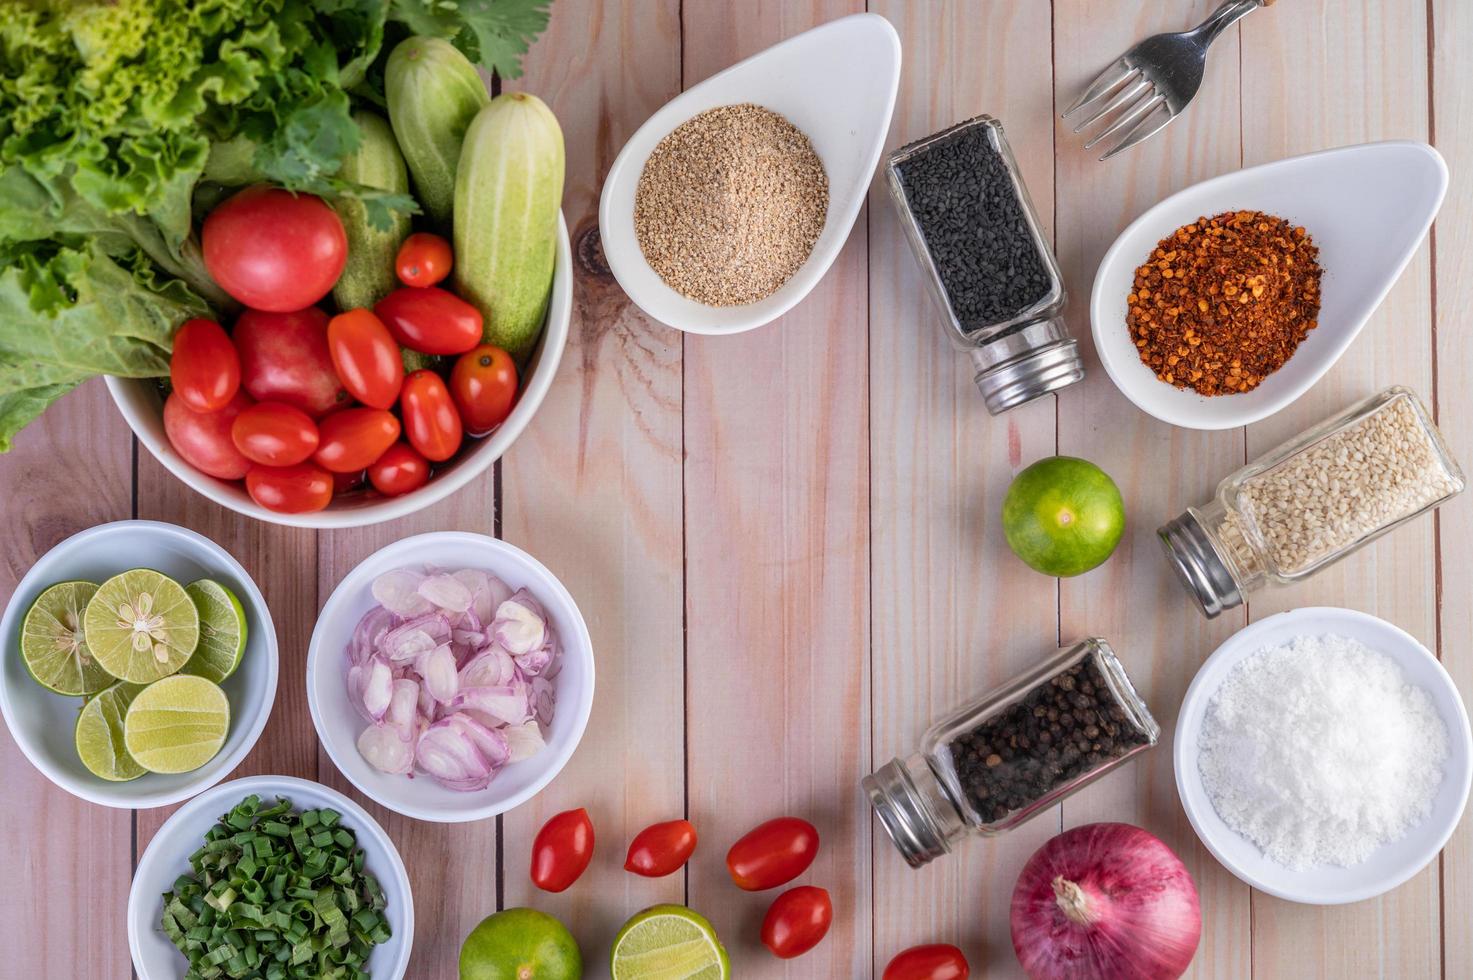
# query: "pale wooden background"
785 543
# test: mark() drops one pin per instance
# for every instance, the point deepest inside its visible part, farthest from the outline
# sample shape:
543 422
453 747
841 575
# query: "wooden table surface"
786 542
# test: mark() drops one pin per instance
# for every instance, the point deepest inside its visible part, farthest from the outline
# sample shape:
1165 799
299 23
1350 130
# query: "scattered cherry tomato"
562 850
354 438
366 358
295 489
284 358
772 854
938 961
484 386
424 259
399 470
430 320
204 368
203 438
797 921
347 482
274 434
660 849
430 420
274 250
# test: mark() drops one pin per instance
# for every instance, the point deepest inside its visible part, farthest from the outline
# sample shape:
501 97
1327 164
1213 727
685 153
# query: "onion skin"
1106 901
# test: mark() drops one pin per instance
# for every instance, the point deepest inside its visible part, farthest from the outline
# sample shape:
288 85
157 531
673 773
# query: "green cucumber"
433 93
369 274
507 195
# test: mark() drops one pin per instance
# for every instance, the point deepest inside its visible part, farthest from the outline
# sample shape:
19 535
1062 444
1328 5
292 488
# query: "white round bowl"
1391 864
143 407
339 724
167 857
42 723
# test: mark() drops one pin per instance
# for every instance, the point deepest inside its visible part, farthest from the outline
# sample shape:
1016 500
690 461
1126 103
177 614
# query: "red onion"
1106 901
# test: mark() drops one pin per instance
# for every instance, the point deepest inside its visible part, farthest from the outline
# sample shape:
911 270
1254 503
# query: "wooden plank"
953 611
1134 600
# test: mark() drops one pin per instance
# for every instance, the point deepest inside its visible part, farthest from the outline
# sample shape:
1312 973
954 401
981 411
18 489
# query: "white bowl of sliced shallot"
450 676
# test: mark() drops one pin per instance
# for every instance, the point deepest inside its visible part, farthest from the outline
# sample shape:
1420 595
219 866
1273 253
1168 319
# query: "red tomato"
204 368
562 850
423 259
366 358
274 434
346 482
938 961
484 386
274 250
430 320
399 470
353 438
772 854
295 489
430 419
797 921
661 848
284 358
203 438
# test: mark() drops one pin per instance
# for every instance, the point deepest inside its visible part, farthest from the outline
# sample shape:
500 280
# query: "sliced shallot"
519 625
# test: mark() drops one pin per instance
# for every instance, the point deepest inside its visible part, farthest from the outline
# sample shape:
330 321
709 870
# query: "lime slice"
99 734
52 645
177 724
669 942
141 626
222 631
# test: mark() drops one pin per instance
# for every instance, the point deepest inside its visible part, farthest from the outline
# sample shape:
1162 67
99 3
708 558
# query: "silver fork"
1149 85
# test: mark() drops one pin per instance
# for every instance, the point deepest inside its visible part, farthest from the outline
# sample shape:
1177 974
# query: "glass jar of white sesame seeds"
1313 500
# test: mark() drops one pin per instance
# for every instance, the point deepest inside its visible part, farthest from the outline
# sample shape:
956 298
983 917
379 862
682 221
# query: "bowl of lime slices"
141 665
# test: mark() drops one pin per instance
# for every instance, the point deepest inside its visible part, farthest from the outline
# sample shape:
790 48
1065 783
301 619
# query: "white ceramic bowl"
167 857
1367 207
339 725
143 408
43 723
836 83
1390 865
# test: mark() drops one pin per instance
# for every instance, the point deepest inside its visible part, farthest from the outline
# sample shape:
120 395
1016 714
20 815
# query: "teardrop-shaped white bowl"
1367 207
837 84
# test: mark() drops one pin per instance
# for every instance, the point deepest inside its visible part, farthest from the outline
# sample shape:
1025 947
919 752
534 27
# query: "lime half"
669 942
177 724
52 644
99 734
141 625
222 631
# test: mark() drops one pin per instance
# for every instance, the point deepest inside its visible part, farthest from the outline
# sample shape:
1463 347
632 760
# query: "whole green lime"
520 944
1063 516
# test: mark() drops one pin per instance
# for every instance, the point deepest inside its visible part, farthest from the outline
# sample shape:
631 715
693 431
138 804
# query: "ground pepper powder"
1223 302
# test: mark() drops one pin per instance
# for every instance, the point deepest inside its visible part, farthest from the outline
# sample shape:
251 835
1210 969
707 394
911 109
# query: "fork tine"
1114 73
1139 133
1126 95
1137 114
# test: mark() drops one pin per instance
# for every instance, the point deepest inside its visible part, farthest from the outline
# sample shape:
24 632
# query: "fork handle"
1224 17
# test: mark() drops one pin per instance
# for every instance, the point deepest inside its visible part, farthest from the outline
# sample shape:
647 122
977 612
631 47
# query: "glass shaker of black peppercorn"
989 268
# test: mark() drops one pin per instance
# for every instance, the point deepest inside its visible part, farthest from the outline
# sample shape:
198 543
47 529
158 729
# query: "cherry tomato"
353 438
203 438
430 419
661 848
366 358
204 368
423 259
274 434
772 854
484 386
797 921
284 358
938 961
399 470
295 489
347 482
430 320
274 250
562 850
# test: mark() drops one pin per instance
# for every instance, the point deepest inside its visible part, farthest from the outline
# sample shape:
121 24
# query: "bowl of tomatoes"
294 411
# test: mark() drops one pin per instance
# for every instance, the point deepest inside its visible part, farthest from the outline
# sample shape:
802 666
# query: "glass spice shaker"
988 266
1013 752
1328 491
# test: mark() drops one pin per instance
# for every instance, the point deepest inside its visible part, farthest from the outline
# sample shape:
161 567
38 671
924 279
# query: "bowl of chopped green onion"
270 876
